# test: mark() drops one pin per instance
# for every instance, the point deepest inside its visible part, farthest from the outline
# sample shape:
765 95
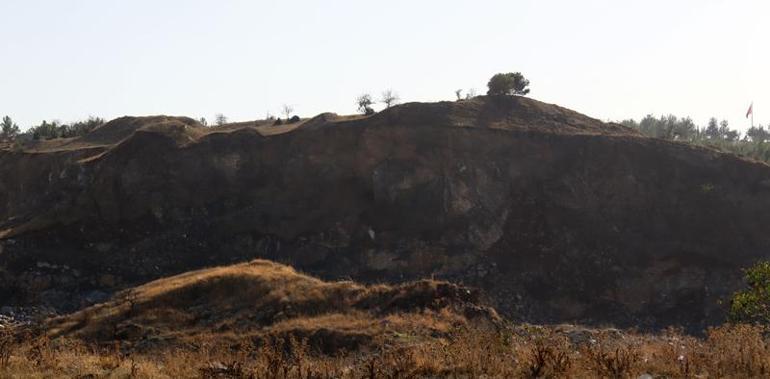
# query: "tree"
712 130
8 129
46 130
716 134
365 104
389 98
512 83
752 305
726 133
685 129
630 123
80 128
203 121
286 109
459 94
220 119
471 94
757 134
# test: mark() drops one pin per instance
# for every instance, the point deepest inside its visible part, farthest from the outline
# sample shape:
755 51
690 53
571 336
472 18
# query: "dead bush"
7 346
613 362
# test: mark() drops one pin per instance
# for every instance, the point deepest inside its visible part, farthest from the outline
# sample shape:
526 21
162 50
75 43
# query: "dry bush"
546 356
613 362
728 351
233 370
739 351
7 346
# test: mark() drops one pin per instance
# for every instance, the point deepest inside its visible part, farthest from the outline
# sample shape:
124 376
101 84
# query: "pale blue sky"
67 60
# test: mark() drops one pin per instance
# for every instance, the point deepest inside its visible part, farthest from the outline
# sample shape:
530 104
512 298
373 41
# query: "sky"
67 60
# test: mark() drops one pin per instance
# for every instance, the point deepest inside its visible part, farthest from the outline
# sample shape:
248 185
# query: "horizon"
67 62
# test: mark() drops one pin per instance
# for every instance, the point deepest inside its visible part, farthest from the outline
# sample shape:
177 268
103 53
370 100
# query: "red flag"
750 111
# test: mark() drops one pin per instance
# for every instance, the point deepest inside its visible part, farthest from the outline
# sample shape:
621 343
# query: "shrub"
7 346
512 83
752 305
613 363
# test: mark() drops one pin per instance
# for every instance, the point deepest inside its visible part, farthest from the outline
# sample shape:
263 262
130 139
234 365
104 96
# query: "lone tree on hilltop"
389 98
512 83
220 119
8 129
365 104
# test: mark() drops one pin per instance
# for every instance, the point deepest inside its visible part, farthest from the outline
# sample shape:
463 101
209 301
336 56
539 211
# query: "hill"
262 300
553 215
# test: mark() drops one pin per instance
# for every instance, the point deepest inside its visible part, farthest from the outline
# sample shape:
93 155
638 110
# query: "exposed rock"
556 216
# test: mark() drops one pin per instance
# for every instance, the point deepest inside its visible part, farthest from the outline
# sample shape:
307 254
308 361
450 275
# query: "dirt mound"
558 217
320 121
500 112
121 128
484 112
262 299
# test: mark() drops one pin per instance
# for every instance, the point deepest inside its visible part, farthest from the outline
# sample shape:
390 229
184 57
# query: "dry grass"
262 299
265 320
726 352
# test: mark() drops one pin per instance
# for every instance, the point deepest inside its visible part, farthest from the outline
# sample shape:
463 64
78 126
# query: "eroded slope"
554 215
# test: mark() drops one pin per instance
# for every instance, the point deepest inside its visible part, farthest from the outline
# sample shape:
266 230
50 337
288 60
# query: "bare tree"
365 104
220 119
459 94
471 94
203 121
287 109
389 98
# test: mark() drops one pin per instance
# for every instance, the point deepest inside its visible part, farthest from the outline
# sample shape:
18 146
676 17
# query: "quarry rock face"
554 216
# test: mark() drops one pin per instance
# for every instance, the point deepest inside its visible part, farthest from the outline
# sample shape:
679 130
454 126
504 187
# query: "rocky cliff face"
553 215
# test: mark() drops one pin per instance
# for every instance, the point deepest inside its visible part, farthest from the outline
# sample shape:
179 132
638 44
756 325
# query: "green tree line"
755 143
9 131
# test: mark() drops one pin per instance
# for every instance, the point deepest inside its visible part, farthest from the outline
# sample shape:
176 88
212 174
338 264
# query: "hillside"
553 215
262 300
